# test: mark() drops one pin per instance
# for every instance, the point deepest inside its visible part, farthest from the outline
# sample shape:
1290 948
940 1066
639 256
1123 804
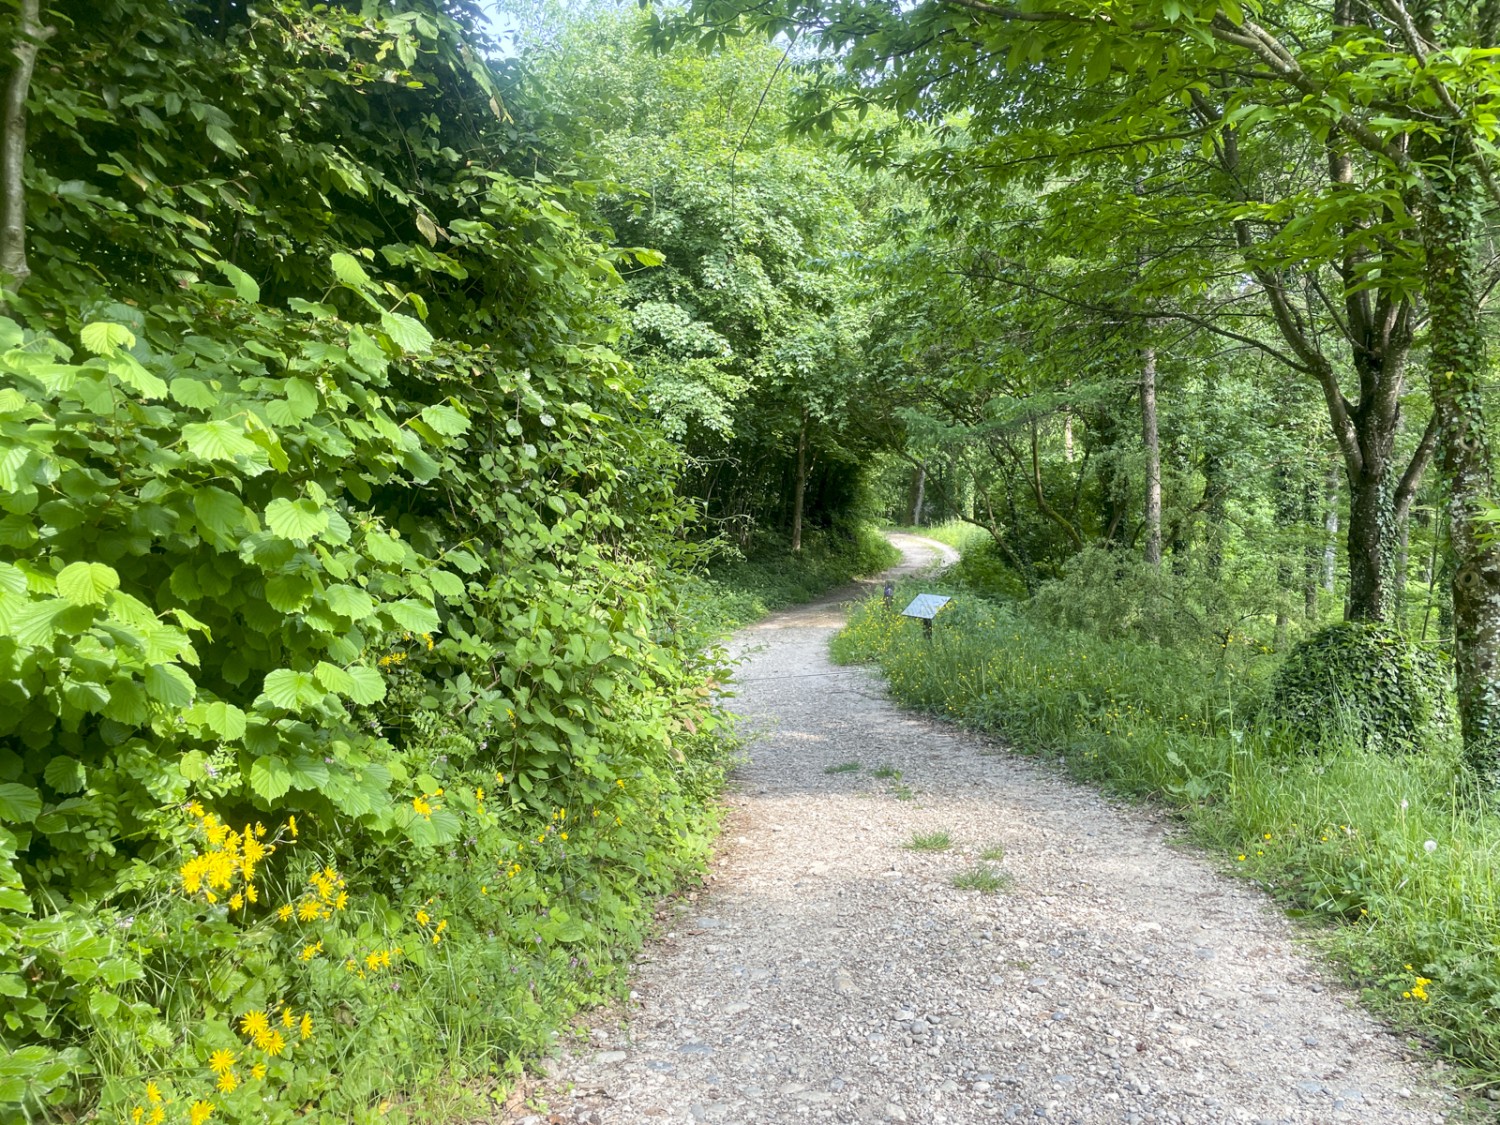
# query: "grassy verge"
734 592
1389 852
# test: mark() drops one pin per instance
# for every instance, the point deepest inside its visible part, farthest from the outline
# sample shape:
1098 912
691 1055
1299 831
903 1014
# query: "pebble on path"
828 973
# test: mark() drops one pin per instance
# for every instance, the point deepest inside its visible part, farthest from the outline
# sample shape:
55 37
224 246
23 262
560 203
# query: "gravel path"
827 972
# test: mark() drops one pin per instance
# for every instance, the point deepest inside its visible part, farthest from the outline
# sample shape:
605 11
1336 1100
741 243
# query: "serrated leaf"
368 685
194 393
87 583
12 580
103 338
385 548
407 333
288 593
445 420
225 720
218 510
19 804
218 440
269 777
64 774
349 601
348 270
296 519
413 615
446 583
291 690
128 370
169 685
334 678
245 286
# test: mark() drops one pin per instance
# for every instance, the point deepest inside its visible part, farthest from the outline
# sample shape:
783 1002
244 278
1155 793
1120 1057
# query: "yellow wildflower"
136 1114
304 1026
254 1023
158 1114
341 901
228 1081
287 1019
258 1071
236 901
423 917
308 910
200 1112
284 913
275 1044
221 1060
291 824
153 1093
424 810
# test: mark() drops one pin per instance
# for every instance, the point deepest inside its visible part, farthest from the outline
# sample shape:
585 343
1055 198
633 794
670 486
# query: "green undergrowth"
1389 852
736 591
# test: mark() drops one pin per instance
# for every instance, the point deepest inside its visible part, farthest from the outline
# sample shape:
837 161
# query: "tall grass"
1392 853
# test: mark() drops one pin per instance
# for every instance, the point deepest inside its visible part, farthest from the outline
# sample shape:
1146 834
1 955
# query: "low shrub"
1363 683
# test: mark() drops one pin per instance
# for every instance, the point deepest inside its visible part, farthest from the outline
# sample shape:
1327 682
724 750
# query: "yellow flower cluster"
436 932
230 857
424 806
325 896
140 1116
1418 990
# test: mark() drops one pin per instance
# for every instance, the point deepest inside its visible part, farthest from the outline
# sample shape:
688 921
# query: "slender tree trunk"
1450 224
1331 529
801 488
1313 555
14 269
1152 441
1068 438
921 496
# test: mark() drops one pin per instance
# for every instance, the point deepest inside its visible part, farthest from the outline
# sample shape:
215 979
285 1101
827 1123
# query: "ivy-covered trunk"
1370 539
1449 224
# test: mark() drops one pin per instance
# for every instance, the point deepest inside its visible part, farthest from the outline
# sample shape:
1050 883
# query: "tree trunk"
1331 528
1450 222
1371 541
920 497
801 488
14 269
1152 442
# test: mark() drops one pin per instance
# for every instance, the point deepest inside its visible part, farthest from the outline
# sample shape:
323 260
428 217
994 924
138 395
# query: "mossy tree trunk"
1459 362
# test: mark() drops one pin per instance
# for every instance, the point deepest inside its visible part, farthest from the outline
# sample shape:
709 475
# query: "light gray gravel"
828 973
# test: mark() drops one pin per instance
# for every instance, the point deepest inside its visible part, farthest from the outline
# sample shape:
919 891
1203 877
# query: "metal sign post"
924 607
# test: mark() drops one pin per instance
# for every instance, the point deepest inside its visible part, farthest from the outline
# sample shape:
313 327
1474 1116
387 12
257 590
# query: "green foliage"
368 545
1366 684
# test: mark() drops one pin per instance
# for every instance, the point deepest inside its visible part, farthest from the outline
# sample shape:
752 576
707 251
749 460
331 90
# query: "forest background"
393 419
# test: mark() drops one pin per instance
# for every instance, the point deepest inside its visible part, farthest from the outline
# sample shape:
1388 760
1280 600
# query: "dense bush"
346 735
1363 683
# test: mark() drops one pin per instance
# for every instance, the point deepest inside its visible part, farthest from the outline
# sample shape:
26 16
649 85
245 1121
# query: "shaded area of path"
827 972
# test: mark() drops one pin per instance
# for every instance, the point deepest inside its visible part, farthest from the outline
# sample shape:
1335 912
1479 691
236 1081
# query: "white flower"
1403 802
1430 846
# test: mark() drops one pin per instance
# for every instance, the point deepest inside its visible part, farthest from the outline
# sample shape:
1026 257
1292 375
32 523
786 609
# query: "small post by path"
890 594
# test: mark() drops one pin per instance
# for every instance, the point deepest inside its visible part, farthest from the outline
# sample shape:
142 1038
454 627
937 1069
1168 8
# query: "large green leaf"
269 777
413 615
245 287
219 511
407 333
290 690
445 420
368 685
87 583
296 519
19 804
105 339
169 685
218 440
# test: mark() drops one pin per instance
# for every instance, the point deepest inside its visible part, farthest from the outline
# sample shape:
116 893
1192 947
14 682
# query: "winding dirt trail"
827 972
